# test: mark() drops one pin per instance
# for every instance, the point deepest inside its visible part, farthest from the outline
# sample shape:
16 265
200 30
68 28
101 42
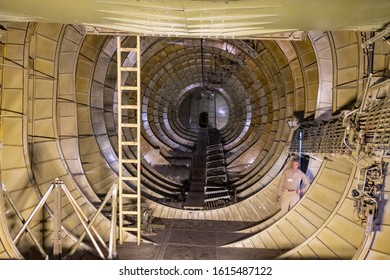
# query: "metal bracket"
369 42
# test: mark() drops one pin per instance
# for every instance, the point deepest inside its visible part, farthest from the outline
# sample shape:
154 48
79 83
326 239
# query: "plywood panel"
244 212
12 157
347 210
268 241
347 56
294 236
254 212
12 100
228 213
316 208
381 242
385 205
314 219
333 180
295 256
347 75
375 255
68 127
13 77
45 151
15 179
344 96
45 48
66 86
341 38
342 248
325 197
214 215
45 66
49 30
321 250
177 214
339 164
44 128
347 229
47 171
66 109
67 62
247 243
307 253
100 184
89 145
257 242
280 237
13 127
25 198
301 224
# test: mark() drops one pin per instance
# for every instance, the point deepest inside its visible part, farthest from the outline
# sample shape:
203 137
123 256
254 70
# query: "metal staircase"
195 196
209 184
216 190
129 98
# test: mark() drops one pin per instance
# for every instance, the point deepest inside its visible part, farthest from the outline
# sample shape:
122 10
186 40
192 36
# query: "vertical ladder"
133 91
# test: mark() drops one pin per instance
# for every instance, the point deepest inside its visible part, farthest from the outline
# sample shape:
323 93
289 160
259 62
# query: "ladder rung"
128 88
129 143
130 229
129 195
129 107
129 160
129 178
128 49
129 212
134 125
130 69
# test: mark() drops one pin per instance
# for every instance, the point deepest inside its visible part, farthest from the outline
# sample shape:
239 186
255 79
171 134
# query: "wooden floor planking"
268 241
339 246
305 227
320 250
347 229
294 236
280 238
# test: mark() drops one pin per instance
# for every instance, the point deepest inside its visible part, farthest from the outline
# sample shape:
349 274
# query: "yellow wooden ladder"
130 103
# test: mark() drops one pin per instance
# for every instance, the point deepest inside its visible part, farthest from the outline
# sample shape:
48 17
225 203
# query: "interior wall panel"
59 120
14 137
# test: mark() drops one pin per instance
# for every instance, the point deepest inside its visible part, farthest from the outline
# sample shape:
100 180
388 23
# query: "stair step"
217 198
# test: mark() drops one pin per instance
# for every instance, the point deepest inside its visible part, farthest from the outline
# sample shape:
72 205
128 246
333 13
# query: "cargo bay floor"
194 240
